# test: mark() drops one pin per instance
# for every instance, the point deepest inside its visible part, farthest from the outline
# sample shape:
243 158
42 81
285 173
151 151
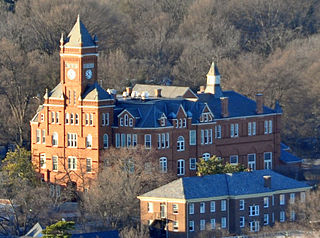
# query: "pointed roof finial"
78 18
213 70
61 39
46 95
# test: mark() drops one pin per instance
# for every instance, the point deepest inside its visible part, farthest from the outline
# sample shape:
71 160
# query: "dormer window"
162 121
121 121
130 122
126 120
206 117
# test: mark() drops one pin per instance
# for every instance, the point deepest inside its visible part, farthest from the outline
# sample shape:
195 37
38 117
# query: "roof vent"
125 94
134 94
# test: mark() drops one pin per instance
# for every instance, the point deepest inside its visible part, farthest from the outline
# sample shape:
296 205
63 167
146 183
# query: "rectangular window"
292 198
175 226
191 208
89 165
57 117
192 137
223 205
267 160
249 128
117 140
213 224
103 121
54 163
234 130
193 163
202 225
87 119
217 130
270 126
175 208
91 119
72 163
38 134
128 140
167 140
43 136
202 137
254 128
147 141
212 206
233 159
282 199
223 222
74 97
265 202
163 140
254 210
191 225
202 207
72 140
302 197
42 161
134 140
266 219
282 216
150 207
272 200
292 216
159 141
252 161
242 221
123 140
266 129
53 117
254 226
241 205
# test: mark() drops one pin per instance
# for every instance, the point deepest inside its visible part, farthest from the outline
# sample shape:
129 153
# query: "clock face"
71 74
88 74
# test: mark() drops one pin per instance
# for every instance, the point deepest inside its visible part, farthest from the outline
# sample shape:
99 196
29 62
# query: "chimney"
129 90
157 92
267 181
224 106
259 102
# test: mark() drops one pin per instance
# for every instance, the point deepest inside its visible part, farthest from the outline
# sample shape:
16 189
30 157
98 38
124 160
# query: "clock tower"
78 59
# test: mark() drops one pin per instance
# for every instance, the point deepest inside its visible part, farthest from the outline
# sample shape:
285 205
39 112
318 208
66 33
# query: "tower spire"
213 81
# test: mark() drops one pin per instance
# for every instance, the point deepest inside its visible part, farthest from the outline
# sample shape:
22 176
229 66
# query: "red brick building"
79 120
222 202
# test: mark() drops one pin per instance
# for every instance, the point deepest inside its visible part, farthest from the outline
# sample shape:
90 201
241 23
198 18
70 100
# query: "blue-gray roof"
95 92
236 184
289 158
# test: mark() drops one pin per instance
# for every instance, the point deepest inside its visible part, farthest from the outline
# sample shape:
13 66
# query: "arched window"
89 141
206 156
180 143
126 120
67 118
55 139
180 167
105 141
163 164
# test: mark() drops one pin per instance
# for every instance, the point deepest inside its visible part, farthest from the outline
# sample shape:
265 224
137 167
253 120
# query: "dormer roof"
79 36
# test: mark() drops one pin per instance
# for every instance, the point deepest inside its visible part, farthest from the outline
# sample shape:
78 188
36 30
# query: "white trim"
192 93
80 55
52 105
146 128
88 100
185 114
78 47
258 115
96 106
168 200
125 110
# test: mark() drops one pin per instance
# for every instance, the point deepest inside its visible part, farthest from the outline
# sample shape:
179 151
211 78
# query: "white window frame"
251 164
118 140
175 225
217 130
43 140
163 162
54 163
191 226
38 136
267 162
234 130
282 216
150 207
254 226
192 137
223 222
72 140
282 199
193 163
292 198
55 139
43 161
212 206
202 225
202 207
234 157
191 208
147 141
206 156
241 221
241 205
76 119
265 219
175 208
72 163
88 165
213 223
266 202
67 119
180 143
254 210
223 205
181 167
105 141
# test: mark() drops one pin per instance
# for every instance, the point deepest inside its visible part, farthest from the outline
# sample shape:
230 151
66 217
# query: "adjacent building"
79 121
244 201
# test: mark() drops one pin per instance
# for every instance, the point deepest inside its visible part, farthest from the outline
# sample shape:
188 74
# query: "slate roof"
56 92
242 183
166 91
95 92
148 112
79 36
289 158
